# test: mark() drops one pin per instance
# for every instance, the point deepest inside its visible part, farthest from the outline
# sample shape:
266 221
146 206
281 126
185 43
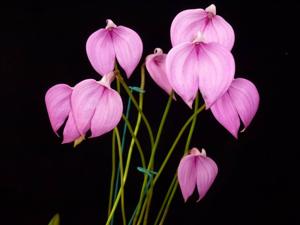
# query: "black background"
43 43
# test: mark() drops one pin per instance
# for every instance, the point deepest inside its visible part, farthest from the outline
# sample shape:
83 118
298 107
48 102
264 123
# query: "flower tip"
158 51
203 152
78 141
244 129
212 10
110 24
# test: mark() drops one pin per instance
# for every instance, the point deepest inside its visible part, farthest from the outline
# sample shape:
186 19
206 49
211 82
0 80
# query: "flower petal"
128 47
71 132
186 24
216 70
207 171
245 99
58 104
218 30
108 113
85 98
182 71
226 114
156 66
100 51
187 175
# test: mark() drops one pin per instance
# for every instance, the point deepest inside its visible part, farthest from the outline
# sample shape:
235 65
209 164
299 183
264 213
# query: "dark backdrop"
43 43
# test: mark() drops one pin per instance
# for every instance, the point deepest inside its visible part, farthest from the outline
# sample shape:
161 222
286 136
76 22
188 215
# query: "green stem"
166 199
122 174
139 106
113 172
151 161
126 88
187 146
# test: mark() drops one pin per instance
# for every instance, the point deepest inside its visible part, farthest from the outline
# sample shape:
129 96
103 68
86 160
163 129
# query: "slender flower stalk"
113 171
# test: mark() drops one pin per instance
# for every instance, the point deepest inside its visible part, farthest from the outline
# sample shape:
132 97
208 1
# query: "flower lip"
211 11
110 24
198 38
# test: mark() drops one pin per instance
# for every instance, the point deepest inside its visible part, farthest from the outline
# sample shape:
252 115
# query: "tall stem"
113 171
122 174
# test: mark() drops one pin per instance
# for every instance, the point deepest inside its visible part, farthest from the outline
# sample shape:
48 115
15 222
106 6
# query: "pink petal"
100 51
186 24
58 104
85 99
71 132
108 113
156 66
214 28
245 99
128 47
226 114
216 70
218 30
183 70
207 171
187 175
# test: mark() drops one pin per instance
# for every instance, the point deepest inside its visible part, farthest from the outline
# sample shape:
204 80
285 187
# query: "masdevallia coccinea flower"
90 105
196 170
209 67
239 102
113 42
213 27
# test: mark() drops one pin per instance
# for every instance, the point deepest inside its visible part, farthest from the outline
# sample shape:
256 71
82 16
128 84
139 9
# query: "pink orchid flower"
90 105
196 169
156 66
213 27
111 42
239 102
209 67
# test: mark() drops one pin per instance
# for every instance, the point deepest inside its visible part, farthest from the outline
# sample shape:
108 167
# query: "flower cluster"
200 60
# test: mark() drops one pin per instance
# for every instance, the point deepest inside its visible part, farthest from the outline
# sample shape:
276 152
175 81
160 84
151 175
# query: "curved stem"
126 88
113 171
136 129
121 173
151 161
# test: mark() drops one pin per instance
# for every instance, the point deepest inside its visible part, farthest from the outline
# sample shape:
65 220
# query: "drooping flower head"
213 27
195 65
196 169
156 66
111 42
239 102
90 105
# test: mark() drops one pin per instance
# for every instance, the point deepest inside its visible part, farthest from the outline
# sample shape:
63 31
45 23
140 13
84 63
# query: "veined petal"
71 132
245 99
85 99
226 114
182 71
108 113
156 66
58 104
187 175
186 24
218 30
207 171
100 51
128 47
216 70
214 28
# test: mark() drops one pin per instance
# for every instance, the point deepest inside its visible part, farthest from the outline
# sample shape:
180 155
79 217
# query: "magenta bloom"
214 28
90 105
196 169
195 65
156 66
239 102
107 44
58 103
